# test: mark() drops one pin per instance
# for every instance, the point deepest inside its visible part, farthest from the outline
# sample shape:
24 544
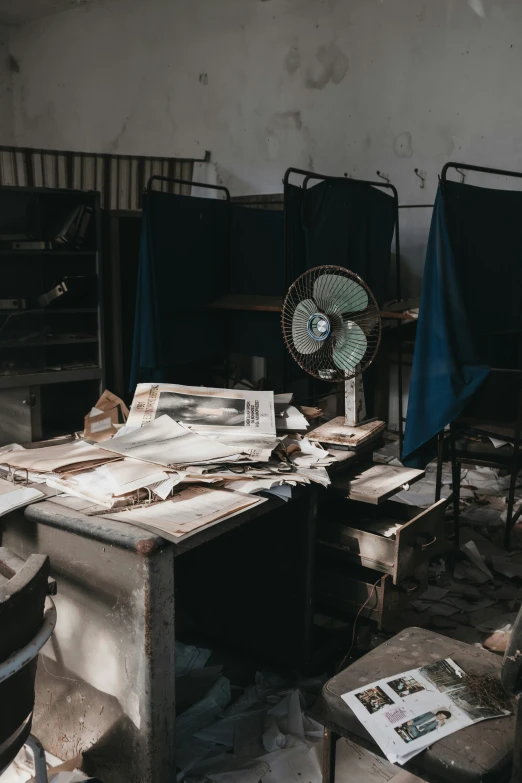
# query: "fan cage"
354 317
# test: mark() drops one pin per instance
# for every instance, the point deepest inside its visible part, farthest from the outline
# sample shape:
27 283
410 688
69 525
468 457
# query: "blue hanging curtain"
446 369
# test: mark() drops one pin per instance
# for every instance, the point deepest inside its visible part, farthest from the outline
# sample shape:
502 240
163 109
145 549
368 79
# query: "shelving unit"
51 350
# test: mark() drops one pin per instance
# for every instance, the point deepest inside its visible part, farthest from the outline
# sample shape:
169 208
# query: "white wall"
6 91
334 85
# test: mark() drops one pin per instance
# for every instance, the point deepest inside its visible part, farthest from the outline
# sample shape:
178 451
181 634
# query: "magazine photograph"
410 711
204 409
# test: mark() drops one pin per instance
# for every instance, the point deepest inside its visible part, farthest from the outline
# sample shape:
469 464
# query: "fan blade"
368 320
336 294
350 347
303 342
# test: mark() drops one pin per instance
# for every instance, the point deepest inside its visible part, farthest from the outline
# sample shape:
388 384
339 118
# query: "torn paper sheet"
165 442
284 492
503 565
128 474
188 657
293 765
204 409
103 420
471 551
257 447
292 421
187 511
281 403
206 710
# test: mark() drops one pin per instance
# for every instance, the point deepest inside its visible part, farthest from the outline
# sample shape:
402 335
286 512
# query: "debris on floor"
476 591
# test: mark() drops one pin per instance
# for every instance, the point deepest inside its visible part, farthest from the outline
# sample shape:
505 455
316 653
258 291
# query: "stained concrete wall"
331 85
6 90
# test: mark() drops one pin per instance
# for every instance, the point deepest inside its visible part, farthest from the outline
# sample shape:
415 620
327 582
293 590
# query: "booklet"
204 409
409 712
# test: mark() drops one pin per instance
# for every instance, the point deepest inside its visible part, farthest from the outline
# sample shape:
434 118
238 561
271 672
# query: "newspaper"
204 409
408 712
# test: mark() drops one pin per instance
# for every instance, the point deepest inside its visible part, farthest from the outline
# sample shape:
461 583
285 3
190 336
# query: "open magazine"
408 712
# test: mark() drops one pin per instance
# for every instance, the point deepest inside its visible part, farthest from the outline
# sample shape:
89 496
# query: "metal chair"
27 620
494 411
487 752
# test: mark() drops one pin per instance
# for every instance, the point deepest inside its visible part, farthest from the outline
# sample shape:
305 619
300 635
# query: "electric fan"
332 328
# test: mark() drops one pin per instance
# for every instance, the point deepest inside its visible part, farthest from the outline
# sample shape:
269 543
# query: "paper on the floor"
204 409
13 496
503 565
165 442
293 765
188 657
435 608
206 710
187 511
228 768
471 551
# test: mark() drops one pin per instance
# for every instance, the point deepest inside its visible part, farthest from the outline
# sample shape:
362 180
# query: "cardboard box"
105 419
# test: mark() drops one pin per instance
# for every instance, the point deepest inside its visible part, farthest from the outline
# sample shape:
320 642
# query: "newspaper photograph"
409 712
204 409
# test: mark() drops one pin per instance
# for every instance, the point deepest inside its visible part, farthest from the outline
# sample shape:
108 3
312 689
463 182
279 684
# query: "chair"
482 753
494 411
25 628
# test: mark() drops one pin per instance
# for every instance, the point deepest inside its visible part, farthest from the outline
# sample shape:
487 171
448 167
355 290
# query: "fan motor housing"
319 326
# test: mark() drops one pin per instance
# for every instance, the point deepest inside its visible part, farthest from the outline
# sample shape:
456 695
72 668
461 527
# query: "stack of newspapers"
185 457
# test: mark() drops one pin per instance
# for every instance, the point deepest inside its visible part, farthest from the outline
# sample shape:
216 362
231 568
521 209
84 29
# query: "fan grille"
331 323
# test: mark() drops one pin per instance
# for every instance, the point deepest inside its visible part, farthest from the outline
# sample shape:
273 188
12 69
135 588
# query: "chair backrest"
499 398
512 666
23 589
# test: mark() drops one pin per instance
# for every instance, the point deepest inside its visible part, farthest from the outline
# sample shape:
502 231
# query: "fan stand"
353 430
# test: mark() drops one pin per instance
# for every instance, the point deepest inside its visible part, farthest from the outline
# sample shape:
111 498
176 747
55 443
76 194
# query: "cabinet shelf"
47 253
268 304
50 311
48 342
52 365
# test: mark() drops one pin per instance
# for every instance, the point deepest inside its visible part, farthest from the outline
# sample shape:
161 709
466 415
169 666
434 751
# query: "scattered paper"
165 442
49 459
503 565
292 421
471 551
13 496
188 657
187 511
206 710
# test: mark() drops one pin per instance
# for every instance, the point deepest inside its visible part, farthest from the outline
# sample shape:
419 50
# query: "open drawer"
354 587
393 537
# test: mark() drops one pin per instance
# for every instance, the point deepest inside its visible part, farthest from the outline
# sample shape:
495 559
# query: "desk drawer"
351 587
356 532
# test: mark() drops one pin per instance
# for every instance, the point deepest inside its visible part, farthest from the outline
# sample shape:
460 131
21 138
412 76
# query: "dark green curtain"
351 224
184 265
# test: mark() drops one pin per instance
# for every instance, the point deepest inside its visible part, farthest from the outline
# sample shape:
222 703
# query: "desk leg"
329 748
105 686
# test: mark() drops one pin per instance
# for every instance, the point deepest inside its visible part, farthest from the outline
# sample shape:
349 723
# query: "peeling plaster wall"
6 91
331 85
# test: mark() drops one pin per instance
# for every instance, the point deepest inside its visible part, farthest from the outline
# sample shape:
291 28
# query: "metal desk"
106 685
